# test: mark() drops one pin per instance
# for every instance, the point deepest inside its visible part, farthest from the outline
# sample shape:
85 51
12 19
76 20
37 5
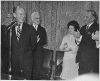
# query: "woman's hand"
67 49
76 34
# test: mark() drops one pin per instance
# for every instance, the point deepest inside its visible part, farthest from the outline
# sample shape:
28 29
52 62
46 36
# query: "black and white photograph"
50 40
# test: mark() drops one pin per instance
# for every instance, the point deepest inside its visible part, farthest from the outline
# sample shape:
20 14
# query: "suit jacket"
3 41
4 50
87 51
42 34
39 52
22 51
43 39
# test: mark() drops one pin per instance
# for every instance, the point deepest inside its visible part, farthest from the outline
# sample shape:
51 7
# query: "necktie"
87 27
35 28
18 32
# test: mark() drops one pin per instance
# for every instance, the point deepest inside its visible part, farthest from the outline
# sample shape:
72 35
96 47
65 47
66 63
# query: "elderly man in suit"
41 40
88 54
23 44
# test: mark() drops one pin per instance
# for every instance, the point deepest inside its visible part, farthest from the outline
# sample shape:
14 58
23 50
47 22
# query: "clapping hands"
95 36
38 38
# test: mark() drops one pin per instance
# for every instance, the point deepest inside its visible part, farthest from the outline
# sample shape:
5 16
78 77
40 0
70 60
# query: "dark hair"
93 13
75 24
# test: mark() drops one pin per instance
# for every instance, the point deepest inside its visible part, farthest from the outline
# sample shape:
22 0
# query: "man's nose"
23 16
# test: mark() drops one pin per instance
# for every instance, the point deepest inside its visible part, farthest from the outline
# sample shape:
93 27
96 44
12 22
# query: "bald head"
35 16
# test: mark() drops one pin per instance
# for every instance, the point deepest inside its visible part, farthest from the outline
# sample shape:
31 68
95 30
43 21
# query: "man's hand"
95 36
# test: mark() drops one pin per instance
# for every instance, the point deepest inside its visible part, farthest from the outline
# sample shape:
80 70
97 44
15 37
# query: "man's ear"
14 14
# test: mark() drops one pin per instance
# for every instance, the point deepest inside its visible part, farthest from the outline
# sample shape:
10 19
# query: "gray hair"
34 13
93 13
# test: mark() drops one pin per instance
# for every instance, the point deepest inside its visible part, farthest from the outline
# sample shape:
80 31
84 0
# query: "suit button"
21 71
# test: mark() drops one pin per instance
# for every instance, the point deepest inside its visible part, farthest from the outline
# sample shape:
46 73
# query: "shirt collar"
20 26
35 25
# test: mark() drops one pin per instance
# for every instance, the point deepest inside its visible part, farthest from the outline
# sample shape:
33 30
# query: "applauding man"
41 40
88 54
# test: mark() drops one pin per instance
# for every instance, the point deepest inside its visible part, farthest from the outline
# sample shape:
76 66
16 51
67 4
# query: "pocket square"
89 32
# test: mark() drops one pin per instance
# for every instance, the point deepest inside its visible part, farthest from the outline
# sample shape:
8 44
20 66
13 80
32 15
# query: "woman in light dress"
69 46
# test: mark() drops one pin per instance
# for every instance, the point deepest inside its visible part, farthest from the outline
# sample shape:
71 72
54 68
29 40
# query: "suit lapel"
90 27
33 27
38 28
14 32
37 32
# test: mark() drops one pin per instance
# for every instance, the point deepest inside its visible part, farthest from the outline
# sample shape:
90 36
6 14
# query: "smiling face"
88 18
20 15
35 18
71 28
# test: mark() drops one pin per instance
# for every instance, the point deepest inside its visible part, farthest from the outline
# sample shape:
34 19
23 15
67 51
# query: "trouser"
38 62
25 72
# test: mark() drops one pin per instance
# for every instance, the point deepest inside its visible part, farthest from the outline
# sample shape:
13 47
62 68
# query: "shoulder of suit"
28 26
3 26
83 26
41 27
96 24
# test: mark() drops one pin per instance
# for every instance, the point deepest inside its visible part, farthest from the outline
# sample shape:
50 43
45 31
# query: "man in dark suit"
88 55
41 40
23 44
4 50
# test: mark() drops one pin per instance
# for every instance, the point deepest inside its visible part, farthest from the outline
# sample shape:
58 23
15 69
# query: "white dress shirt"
35 26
